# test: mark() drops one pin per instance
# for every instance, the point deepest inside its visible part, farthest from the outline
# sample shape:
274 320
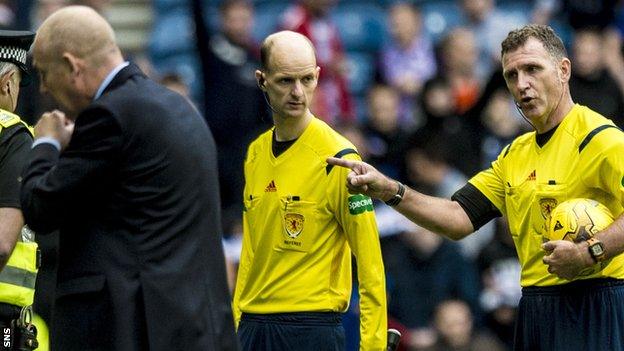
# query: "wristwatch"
397 197
596 249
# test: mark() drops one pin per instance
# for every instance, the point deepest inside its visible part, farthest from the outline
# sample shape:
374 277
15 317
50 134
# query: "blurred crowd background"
415 85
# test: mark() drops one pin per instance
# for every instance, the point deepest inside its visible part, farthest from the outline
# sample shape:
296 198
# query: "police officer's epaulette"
10 124
8 119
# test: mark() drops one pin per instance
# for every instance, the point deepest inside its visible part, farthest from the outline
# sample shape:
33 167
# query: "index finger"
341 162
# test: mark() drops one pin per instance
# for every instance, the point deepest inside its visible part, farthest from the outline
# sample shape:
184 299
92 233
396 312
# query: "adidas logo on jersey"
531 176
271 188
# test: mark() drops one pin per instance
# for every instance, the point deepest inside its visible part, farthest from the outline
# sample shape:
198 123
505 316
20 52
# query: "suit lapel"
123 75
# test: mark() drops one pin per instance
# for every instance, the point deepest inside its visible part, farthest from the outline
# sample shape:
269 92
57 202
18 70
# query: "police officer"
18 251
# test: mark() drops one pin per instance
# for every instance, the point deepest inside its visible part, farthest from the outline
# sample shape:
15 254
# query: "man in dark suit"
128 175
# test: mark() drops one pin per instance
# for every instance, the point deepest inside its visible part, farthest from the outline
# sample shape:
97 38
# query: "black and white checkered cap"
12 53
14 47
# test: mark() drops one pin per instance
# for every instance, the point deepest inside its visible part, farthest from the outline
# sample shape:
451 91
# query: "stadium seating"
361 70
267 17
173 33
362 27
439 17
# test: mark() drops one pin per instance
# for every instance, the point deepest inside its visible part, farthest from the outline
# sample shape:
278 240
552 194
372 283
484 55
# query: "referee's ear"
260 80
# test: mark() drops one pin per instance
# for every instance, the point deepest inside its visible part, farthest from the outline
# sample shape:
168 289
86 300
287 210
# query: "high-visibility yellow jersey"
300 228
584 158
17 278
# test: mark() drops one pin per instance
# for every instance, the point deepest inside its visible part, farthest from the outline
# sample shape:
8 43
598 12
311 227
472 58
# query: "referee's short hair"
545 34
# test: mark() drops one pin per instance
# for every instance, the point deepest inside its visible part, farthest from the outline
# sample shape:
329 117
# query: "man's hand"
55 125
365 179
566 259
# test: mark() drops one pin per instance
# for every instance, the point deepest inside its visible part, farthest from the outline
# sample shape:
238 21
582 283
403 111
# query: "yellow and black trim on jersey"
581 159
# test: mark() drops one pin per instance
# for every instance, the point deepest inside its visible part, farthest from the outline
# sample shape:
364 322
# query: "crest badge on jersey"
546 206
293 223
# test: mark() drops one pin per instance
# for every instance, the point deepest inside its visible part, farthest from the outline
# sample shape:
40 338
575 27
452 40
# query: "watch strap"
591 243
398 197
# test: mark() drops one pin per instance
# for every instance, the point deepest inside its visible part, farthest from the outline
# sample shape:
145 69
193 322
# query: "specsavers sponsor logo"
360 204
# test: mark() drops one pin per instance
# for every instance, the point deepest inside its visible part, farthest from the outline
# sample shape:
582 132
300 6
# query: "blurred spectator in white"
460 57
500 273
385 136
456 330
591 83
408 60
428 169
232 246
332 101
235 108
491 26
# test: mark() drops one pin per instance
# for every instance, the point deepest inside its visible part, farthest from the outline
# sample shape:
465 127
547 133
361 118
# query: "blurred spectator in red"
332 100
459 57
385 137
491 26
591 83
408 60
454 325
235 108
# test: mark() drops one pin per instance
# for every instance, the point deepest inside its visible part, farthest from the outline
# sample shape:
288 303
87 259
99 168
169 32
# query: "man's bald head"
284 44
78 30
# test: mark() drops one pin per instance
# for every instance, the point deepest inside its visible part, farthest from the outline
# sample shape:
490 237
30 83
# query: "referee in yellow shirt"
573 153
300 223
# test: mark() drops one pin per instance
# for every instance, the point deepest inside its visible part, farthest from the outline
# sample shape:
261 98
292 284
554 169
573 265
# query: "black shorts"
579 316
303 331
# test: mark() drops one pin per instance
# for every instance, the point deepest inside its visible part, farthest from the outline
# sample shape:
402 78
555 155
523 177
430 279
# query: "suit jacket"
135 197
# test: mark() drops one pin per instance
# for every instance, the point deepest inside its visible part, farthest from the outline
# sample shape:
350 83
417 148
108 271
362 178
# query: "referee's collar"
109 78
